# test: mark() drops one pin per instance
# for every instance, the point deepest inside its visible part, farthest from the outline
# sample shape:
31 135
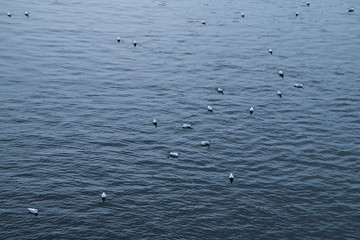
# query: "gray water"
77 107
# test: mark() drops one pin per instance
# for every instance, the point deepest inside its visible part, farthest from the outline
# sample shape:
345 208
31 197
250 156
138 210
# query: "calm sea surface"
76 109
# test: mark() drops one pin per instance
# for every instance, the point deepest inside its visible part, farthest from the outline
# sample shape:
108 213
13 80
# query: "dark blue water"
76 111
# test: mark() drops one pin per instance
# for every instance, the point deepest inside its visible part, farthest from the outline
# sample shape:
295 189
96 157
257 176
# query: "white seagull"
242 15
118 39
308 4
297 13
186 125
209 108
174 154
9 14
220 90
251 110
154 121
231 177
33 211
298 85
350 10
279 94
26 14
135 43
281 74
203 22
270 51
103 196
205 143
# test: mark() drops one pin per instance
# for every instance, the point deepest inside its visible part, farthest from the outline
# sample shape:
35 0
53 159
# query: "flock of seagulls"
35 211
134 42
27 14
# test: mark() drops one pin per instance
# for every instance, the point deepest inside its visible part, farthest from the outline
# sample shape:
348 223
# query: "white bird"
186 125
203 22
205 143
26 14
281 74
270 51
103 196
251 110
209 108
298 85
154 121
9 14
174 154
231 177
242 15
351 9
220 90
279 94
135 43
308 4
118 39
297 13
33 211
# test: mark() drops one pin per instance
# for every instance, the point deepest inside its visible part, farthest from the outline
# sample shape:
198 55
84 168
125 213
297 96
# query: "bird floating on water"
231 177
279 94
298 85
9 14
203 22
103 196
154 121
281 74
27 14
242 15
251 110
186 125
135 43
297 13
33 211
209 108
270 51
173 154
220 90
351 9
308 4
205 143
118 39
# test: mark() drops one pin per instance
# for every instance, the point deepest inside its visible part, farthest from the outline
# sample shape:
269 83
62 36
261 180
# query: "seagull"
308 4
186 125
350 10
135 43
298 85
103 196
154 122
251 110
33 211
281 74
279 94
242 15
297 13
205 143
118 39
26 14
270 51
209 108
9 14
174 154
220 90
231 177
203 22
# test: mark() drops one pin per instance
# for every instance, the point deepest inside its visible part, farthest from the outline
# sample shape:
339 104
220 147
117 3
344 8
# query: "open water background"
76 110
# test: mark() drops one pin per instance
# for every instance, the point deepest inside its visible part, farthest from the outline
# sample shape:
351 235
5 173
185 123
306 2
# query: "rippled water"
76 111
